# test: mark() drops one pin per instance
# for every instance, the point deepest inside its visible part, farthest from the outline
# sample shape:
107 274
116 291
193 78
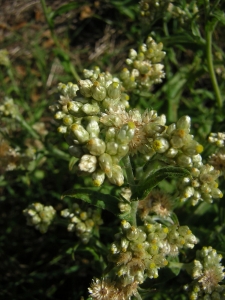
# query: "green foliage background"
54 45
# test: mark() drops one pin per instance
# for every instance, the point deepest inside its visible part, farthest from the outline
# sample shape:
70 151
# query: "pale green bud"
96 146
171 128
114 90
125 73
122 151
171 153
93 128
88 163
80 133
111 148
85 87
59 115
98 91
71 227
80 227
62 129
65 213
68 120
132 233
124 207
110 134
105 162
184 123
184 160
98 177
69 90
74 107
126 133
91 109
117 177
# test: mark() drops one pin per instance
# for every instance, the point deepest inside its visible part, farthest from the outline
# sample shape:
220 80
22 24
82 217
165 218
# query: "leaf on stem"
154 179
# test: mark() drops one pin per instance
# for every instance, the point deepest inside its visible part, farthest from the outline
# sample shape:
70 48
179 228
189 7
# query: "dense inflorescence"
39 216
82 222
207 272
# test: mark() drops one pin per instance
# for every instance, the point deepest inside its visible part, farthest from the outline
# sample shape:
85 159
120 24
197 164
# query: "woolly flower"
102 289
156 202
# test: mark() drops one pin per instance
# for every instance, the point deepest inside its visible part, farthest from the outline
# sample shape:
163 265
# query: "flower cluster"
13 158
217 159
82 222
144 67
39 216
202 185
207 272
9 108
106 289
150 8
141 251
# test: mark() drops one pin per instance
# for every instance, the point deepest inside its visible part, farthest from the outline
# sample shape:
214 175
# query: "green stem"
32 132
210 66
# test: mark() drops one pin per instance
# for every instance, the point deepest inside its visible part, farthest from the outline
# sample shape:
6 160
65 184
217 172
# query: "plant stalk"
210 66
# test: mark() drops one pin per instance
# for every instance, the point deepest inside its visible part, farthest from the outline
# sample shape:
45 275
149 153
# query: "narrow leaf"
154 179
95 197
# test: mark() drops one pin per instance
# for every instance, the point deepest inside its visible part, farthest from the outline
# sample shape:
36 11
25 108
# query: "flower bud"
80 133
105 162
98 177
96 146
114 90
85 87
98 91
117 177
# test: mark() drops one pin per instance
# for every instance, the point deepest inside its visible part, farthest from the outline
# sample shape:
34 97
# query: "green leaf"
64 9
220 16
153 180
95 197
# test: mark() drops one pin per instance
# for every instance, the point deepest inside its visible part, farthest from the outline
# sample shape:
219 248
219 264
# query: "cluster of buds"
9 108
39 216
82 222
207 272
202 185
144 67
183 13
9 157
151 8
217 159
141 251
12 158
